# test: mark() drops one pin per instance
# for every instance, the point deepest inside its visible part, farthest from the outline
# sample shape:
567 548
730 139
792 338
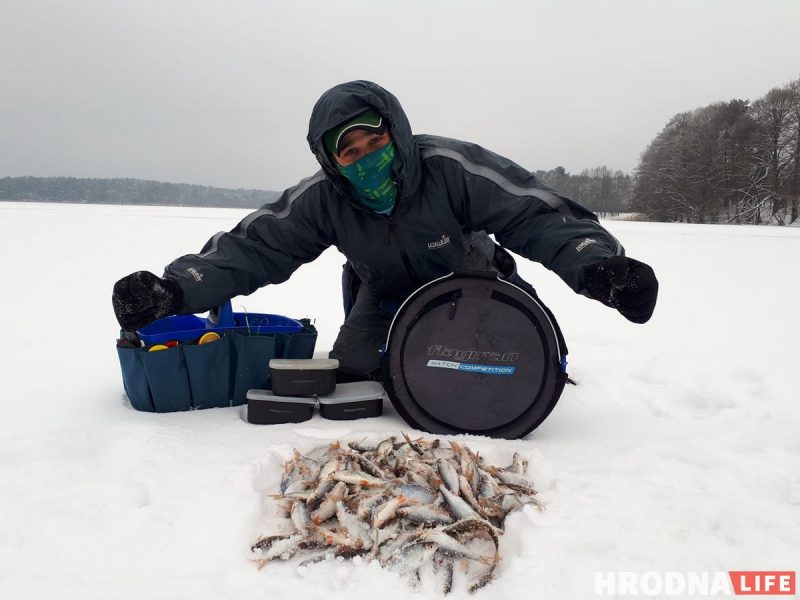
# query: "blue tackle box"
183 328
189 376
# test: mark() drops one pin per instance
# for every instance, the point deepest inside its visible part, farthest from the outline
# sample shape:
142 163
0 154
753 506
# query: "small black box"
303 376
266 408
353 401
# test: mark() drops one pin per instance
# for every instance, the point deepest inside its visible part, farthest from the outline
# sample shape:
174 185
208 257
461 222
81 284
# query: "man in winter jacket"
404 209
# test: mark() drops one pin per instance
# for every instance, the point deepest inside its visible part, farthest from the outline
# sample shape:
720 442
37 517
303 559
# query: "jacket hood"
343 102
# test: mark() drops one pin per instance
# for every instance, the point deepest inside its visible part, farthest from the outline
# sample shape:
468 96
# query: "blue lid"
184 328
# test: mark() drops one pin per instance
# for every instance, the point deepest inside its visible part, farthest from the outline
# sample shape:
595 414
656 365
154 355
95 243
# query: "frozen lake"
677 451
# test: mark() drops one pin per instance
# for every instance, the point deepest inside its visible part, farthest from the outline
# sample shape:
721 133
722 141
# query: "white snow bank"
678 450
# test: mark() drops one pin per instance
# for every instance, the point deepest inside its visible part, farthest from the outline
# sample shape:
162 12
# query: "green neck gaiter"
371 178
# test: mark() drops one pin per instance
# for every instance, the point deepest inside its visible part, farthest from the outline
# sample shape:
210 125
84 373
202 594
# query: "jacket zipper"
403 255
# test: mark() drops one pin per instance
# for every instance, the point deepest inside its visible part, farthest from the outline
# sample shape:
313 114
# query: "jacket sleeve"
492 193
266 247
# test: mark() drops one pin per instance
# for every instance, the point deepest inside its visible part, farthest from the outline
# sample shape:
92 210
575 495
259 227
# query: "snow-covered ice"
678 451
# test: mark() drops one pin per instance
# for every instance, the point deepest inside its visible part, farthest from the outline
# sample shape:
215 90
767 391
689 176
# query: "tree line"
600 189
128 191
728 162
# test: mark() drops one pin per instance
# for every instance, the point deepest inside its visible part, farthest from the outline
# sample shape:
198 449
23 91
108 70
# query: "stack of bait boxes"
297 385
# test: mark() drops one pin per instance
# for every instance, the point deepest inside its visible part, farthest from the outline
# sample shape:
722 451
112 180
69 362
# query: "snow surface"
678 450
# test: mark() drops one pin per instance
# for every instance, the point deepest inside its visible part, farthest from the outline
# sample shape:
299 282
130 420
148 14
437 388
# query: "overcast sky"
220 92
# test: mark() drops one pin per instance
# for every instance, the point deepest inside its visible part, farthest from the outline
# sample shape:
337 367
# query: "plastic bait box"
267 408
303 377
356 400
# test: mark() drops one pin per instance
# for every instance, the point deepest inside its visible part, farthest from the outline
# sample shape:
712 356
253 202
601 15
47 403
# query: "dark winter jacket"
451 195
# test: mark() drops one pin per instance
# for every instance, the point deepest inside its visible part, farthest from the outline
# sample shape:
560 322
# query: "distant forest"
728 162
601 190
128 191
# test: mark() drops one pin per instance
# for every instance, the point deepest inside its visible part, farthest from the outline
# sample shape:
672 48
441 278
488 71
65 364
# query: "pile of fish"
409 504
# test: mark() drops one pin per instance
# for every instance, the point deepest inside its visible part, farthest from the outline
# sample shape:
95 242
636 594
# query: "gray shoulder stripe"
505 184
213 248
292 195
307 183
282 208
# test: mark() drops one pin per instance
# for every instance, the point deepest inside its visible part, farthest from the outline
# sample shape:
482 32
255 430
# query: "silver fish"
470 528
488 487
425 515
360 447
288 477
468 496
443 565
414 445
385 447
449 545
449 474
356 528
321 556
264 543
410 558
419 493
325 486
511 478
329 467
282 547
382 535
300 518
349 551
307 466
334 537
415 478
422 467
299 487
387 511
368 504
518 488
382 538
446 453
357 478
367 466
327 507
518 465
391 546
490 508
512 502
467 464
459 507
483 580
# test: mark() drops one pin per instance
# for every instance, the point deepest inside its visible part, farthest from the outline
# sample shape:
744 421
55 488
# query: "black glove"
141 298
623 283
